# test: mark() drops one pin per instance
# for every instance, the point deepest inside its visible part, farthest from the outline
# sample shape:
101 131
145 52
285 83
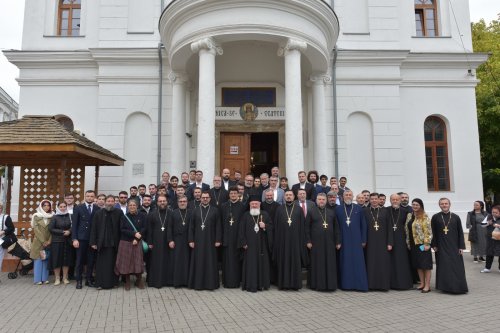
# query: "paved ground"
25 307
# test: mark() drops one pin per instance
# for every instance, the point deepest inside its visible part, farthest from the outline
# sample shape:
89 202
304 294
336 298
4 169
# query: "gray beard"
108 208
254 211
348 202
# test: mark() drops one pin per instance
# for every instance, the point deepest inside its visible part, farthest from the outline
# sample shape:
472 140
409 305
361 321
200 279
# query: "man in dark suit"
198 183
303 184
226 180
80 233
304 204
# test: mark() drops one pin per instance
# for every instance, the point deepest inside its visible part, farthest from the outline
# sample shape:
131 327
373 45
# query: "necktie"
303 208
89 208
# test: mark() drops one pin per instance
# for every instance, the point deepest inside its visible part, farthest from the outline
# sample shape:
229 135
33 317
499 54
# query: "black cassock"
231 254
161 256
378 260
448 237
218 196
203 272
178 233
256 258
271 208
401 273
289 249
105 233
323 232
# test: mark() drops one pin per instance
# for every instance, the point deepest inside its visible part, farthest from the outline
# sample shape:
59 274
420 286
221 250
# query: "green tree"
486 38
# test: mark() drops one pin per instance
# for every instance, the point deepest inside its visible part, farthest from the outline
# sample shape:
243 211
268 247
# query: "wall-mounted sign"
228 113
234 150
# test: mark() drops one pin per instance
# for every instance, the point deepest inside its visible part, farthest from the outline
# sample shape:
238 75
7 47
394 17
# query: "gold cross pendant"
446 230
325 225
231 221
289 222
376 226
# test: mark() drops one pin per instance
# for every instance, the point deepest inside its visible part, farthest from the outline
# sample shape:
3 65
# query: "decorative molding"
206 44
320 79
177 78
292 44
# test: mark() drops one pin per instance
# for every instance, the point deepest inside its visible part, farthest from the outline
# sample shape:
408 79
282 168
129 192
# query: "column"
320 124
178 139
205 149
294 143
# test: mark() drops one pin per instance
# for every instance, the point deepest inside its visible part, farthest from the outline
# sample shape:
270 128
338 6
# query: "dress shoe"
78 284
90 283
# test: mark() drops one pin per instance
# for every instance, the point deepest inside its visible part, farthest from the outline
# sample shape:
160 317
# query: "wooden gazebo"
52 159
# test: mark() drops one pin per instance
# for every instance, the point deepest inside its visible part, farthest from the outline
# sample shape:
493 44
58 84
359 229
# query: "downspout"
160 100
335 120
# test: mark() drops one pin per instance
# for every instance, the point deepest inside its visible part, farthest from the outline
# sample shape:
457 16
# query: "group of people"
257 233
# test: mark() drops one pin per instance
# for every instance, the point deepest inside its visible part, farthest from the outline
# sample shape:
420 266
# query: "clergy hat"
254 197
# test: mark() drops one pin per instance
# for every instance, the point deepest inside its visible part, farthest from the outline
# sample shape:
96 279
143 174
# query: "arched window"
426 18
436 154
69 18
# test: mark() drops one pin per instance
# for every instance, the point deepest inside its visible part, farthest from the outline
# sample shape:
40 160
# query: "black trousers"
85 255
489 262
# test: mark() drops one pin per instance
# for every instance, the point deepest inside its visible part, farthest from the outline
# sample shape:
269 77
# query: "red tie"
304 208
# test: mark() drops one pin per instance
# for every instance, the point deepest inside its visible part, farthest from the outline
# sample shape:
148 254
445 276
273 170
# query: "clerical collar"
237 200
289 203
448 212
204 206
371 207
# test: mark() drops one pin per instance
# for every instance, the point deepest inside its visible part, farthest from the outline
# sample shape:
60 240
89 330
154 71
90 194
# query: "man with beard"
196 202
269 205
104 239
122 202
160 258
264 182
179 192
178 242
405 202
449 245
278 193
152 192
101 200
379 245
353 229
226 181
134 195
204 238
146 204
401 273
323 241
218 195
332 200
255 239
231 212
289 251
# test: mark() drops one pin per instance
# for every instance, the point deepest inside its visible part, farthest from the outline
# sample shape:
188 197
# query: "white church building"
379 91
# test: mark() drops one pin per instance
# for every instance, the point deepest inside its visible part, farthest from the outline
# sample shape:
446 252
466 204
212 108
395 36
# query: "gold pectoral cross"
395 227
325 225
376 226
446 230
348 221
162 228
289 222
231 221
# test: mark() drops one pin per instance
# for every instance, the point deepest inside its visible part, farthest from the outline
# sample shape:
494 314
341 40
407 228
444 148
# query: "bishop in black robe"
289 250
204 238
178 241
104 238
378 246
448 243
255 239
401 271
323 240
231 212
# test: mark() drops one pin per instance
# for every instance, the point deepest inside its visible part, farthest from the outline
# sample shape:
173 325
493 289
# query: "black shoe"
90 283
425 291
78 284
481 259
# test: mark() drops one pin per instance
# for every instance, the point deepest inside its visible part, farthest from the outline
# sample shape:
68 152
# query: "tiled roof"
46 130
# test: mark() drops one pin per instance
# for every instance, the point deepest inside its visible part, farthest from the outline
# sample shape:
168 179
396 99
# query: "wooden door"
235 152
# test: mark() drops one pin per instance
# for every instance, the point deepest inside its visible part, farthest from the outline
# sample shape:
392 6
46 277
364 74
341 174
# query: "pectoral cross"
395 227
446 230
162 228
376 226
289 222
325 225
231 221
202 226
348 221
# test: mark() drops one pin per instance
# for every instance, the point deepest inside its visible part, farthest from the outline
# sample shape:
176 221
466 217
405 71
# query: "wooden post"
96 183
10 170
62 179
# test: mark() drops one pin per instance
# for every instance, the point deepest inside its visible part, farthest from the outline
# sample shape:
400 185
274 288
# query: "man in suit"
226 181
198 183
304 204
303 184
122 201
80 233
278 193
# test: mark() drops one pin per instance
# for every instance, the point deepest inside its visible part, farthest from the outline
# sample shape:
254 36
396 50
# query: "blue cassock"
351 258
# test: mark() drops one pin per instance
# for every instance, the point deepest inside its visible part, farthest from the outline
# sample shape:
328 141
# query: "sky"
11 26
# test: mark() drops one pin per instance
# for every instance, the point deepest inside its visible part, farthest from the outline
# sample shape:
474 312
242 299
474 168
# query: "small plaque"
192 164
138 169
234 150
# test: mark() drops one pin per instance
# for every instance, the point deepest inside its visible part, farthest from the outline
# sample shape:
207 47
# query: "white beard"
348 202
254 211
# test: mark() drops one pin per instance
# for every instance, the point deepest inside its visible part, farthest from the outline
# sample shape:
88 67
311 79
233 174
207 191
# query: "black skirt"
61 254
421 259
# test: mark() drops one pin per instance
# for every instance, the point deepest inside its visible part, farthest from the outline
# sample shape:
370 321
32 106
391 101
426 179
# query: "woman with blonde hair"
418 239
41 242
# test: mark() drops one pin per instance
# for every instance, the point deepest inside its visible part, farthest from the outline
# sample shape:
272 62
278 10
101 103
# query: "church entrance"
249 152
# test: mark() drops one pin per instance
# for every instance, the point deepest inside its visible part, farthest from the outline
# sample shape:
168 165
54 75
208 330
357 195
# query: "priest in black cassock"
231 212
269 205
323 241
378 246
255 240
353 229
218 194
178 242
204 238
289 250
401 271
104 238
161 256
449 245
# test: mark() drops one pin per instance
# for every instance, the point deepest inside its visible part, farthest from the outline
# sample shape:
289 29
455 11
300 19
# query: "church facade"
381 92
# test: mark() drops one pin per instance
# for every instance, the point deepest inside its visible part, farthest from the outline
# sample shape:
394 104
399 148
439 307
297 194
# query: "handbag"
496 234
145 246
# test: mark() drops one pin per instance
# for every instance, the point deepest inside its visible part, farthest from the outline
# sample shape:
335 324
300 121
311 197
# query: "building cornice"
50 59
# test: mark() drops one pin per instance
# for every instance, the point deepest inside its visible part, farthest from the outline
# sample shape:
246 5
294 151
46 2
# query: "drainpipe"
160 100
335 120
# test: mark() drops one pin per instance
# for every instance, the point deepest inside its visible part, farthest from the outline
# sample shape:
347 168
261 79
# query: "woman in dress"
41 242
418 239
6 233
492 246
61 249
129 259
477 233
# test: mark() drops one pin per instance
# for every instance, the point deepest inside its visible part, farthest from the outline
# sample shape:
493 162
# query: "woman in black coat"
492 246
61 249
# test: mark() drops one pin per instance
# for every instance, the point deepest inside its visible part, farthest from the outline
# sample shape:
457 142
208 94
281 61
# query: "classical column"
178 139
205 149
320 124
294 144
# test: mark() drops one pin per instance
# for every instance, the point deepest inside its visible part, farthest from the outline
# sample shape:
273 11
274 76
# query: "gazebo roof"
43 140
